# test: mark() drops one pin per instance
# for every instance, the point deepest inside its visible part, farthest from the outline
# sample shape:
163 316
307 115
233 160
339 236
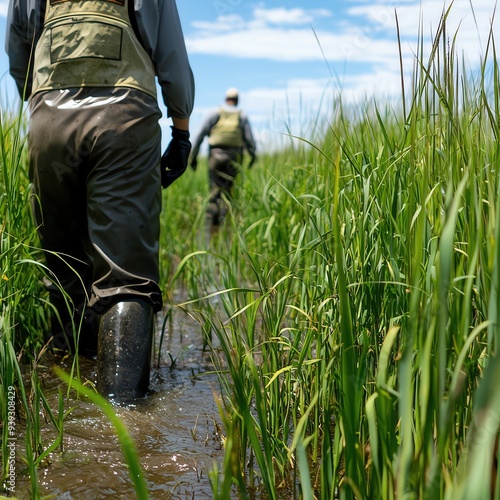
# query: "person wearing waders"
229 134
89 70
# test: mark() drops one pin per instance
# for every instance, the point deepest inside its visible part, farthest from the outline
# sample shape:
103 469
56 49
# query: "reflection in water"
175 430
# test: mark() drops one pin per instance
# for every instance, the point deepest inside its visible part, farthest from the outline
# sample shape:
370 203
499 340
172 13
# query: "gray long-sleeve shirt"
158 26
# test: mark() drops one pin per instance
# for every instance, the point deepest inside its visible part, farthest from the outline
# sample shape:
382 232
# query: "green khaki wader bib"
227 131
90 44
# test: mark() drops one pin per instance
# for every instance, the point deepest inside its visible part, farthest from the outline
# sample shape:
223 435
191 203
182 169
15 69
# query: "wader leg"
73 321
222 168
124 352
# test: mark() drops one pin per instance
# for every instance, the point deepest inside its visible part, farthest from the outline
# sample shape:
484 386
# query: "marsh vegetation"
349 302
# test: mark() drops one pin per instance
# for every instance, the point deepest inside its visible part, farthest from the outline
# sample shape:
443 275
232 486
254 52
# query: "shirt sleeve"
161 34
24 23
248 138
204 132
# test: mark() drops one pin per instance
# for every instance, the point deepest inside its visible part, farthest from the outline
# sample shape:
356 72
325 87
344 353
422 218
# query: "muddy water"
175 429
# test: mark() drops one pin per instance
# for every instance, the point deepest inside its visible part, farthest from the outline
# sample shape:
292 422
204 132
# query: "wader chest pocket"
85 40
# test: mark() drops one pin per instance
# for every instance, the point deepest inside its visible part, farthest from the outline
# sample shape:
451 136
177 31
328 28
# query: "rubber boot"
124 350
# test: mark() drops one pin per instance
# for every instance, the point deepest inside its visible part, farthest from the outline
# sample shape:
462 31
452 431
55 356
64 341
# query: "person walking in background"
230 134
89 70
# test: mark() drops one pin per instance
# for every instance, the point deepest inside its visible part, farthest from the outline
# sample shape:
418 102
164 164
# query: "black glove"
175 158
194 164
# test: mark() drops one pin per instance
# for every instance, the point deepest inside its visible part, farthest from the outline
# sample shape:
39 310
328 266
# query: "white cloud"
364 38
282 16
366 34
303 106
413 16
222 24
293 45
278 34
4 5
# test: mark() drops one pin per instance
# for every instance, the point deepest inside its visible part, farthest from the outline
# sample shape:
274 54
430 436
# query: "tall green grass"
351 300
24 325
24 314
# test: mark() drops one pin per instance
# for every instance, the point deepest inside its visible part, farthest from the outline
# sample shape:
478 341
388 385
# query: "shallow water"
175 429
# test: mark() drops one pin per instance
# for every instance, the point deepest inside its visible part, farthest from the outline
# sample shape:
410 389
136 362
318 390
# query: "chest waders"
227 133
92 44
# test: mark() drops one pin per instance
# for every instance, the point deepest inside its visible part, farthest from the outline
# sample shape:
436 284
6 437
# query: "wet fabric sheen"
94 164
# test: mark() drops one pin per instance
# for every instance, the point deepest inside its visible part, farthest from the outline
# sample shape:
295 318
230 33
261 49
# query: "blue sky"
289 59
